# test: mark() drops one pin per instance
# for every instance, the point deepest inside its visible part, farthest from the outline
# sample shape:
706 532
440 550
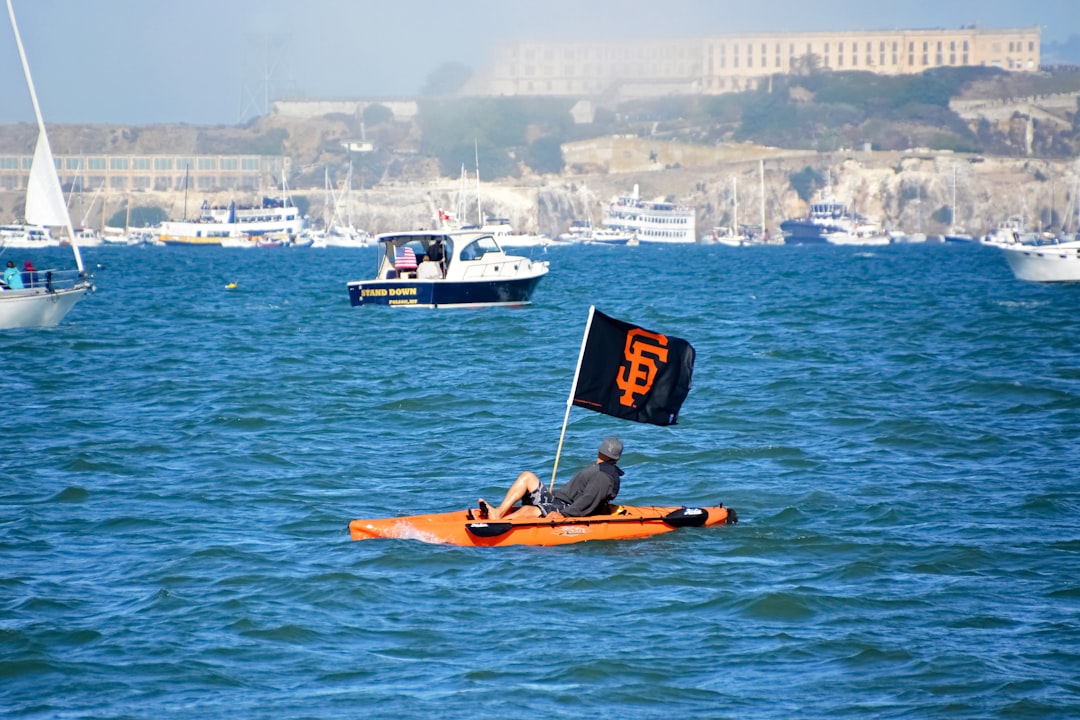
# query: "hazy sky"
205 61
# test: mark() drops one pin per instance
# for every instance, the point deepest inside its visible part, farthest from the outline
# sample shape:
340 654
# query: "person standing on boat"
12 276
28 274
436 253
588 493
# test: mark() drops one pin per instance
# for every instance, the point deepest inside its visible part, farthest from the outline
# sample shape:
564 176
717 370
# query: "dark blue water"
898 429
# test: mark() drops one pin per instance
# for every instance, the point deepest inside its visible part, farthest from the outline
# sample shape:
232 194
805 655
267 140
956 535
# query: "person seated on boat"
12 276
588 493
428 270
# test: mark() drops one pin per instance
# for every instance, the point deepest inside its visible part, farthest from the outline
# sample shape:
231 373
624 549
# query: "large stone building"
729 63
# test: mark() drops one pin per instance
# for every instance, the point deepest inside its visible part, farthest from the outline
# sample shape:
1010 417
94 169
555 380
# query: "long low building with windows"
159 173
730 63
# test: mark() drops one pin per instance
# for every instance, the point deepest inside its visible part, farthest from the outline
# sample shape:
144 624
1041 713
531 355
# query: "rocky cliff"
908 191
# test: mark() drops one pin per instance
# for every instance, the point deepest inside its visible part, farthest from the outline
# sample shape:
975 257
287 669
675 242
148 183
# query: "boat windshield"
476 249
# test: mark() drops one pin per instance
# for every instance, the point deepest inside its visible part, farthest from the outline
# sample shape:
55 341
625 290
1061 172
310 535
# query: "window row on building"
122 173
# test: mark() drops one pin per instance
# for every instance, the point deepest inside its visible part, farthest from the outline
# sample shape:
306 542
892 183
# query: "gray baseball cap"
611 447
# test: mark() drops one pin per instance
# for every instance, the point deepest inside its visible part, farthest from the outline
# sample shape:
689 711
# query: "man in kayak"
588 493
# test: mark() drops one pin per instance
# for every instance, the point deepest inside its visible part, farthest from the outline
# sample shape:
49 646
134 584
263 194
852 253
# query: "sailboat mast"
329 202
735 206
479 215
952 207
761 168
41 131
348 198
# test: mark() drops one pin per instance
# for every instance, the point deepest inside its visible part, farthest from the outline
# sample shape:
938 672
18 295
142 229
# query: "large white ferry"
234 225
651 221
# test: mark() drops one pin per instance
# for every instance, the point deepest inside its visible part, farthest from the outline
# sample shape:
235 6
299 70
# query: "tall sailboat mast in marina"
45 296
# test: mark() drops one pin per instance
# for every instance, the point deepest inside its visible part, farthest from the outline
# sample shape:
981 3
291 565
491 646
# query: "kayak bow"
465 527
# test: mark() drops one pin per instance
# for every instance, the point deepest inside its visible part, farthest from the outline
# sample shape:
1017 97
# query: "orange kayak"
465 527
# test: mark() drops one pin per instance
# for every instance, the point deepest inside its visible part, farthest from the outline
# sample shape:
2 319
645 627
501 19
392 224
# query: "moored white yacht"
27 237
830 221
581 232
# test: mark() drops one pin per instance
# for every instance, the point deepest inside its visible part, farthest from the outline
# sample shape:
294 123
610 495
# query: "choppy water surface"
898 429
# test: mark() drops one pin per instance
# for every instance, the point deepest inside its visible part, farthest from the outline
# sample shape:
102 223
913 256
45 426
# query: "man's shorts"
542 498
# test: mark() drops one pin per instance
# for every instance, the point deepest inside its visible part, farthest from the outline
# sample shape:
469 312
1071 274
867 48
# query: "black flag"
633 373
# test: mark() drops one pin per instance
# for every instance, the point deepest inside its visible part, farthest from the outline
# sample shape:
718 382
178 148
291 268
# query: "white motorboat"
1044 262
475 272
507 237
1013 230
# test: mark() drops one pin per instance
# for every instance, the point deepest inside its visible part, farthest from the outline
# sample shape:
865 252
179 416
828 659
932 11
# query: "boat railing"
52 280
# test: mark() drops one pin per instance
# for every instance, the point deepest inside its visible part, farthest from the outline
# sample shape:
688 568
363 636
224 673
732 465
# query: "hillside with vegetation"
511 137
815 110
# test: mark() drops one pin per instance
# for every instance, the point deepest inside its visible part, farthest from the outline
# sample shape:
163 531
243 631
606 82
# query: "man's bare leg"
526 483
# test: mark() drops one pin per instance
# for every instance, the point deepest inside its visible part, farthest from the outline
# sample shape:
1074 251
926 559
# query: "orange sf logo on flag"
636 375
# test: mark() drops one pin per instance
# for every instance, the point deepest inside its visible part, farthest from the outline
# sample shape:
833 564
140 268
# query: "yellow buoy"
230 286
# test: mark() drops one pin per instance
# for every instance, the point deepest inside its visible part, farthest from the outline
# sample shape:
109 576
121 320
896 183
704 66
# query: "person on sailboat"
12 276
29 273
588 493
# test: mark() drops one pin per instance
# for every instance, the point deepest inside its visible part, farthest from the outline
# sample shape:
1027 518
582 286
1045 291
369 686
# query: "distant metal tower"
263 52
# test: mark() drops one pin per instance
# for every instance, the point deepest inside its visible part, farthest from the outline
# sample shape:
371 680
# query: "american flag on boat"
404 258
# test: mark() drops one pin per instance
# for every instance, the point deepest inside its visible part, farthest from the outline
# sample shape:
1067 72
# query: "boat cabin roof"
465 244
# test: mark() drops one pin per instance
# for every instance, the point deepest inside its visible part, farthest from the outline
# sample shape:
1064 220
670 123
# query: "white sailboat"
46 295
338 229
583 231
955 234
731 234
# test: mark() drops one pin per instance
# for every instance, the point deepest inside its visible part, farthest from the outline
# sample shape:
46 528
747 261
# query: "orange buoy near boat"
466 527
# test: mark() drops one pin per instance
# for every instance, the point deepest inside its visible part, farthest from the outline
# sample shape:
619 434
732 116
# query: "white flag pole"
570 400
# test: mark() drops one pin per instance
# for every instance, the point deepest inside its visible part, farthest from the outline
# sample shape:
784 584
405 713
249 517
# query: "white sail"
44 198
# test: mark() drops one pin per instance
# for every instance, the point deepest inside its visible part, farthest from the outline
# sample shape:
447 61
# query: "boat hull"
846 237
37 308
798 232
444 293
190 241
463 527
1044 263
